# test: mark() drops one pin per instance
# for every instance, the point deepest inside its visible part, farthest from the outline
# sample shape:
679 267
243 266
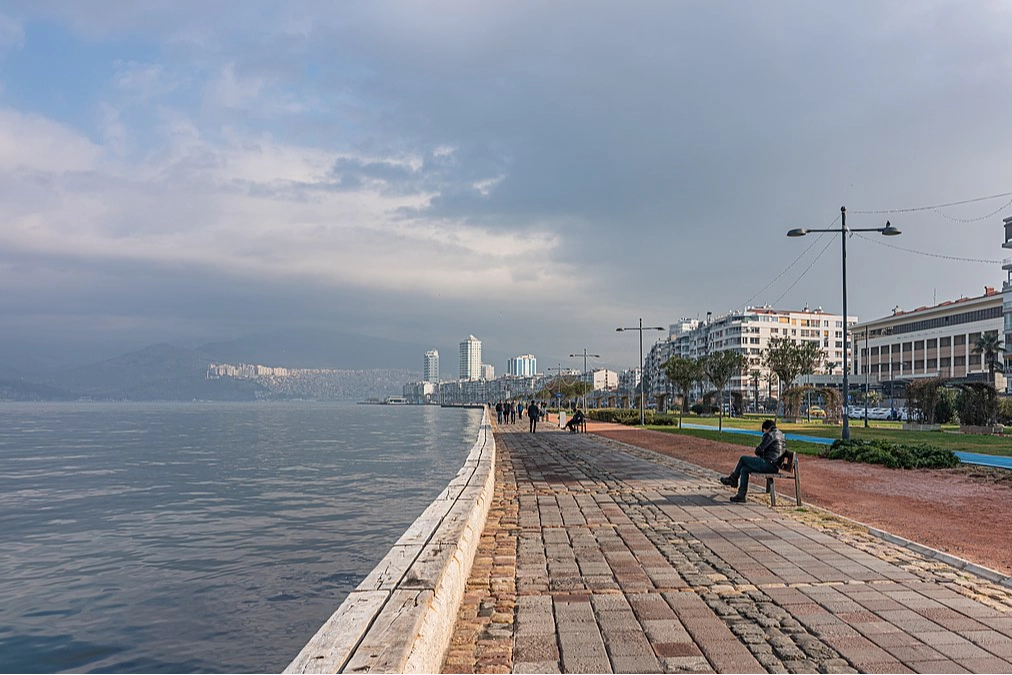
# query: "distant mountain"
19 389
159 372
317 349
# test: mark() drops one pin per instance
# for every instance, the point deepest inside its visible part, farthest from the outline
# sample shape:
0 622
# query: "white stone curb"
401 617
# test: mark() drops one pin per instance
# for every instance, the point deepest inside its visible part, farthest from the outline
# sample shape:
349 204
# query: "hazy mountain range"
367 367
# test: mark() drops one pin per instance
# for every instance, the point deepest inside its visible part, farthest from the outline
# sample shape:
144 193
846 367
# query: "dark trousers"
749 464
534 425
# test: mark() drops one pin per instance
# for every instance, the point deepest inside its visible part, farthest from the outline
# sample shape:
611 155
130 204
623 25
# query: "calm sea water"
201 537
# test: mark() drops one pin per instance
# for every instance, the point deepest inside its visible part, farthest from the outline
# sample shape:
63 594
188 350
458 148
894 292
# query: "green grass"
739 439
886 431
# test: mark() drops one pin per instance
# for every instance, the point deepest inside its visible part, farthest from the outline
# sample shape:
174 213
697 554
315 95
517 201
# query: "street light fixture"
888 231
640 328
583 394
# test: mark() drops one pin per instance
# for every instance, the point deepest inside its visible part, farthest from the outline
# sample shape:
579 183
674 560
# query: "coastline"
401 617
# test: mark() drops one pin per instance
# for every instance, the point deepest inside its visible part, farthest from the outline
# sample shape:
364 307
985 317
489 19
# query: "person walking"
513 413
498 411
767 456
533 413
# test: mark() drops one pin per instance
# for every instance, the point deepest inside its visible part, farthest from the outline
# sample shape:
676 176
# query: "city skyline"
189 173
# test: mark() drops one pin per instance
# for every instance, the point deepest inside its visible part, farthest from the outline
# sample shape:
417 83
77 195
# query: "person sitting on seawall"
767 453
575 421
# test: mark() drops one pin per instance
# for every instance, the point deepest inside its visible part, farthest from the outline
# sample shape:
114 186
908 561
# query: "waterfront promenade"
601 557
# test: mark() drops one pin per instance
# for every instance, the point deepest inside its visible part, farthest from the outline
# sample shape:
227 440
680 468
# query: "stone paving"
600 557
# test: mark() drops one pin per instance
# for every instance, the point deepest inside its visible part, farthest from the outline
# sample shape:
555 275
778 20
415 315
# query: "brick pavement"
600 557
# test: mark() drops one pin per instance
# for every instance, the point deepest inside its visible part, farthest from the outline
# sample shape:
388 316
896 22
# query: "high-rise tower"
470 359
430 369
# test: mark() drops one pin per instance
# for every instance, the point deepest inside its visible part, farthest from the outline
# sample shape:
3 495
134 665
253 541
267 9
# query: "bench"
788 470
579 428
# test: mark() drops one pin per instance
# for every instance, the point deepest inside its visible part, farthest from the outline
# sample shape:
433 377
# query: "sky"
535 174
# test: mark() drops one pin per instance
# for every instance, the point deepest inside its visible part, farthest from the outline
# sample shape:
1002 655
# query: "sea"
201 537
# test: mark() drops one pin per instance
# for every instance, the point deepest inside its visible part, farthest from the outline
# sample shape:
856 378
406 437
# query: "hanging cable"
788 268
932 255
933 206
824 248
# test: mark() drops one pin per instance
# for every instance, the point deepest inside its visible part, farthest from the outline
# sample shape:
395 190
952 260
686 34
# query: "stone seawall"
401 617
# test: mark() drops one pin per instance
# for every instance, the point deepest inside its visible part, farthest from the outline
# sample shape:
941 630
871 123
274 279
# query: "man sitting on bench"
575 421
768 453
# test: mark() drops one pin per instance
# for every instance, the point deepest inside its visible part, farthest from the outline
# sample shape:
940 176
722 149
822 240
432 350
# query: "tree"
790 360
990 345
977 403
683 373
923 396
719 368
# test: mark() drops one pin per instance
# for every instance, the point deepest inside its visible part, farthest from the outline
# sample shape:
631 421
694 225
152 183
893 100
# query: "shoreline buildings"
470 359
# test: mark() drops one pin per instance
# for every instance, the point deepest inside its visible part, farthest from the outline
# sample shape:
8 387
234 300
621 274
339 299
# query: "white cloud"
146 80
34 143
230 90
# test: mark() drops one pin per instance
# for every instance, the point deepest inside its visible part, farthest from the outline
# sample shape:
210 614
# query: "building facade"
749 332
929 342
430 367
524 365
470 358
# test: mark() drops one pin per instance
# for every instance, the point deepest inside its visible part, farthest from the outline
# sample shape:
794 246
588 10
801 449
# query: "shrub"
697 408
893 455
1005 410
945 408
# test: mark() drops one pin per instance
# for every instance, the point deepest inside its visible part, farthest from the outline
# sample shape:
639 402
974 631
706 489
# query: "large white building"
748 332
524 365
430 368
470 358
928 342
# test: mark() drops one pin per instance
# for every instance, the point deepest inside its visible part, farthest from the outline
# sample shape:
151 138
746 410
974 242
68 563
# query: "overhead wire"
933 255
788 268
933 207
802 276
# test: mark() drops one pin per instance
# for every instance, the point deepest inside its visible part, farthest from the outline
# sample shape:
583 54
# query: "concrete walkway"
599 557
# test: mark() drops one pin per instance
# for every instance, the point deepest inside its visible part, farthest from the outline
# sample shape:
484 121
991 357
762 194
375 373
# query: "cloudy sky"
535 173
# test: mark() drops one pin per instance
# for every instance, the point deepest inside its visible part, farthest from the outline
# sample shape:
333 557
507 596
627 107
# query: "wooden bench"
788 470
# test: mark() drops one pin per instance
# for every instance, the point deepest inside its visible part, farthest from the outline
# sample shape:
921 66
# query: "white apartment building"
524 365
430 367
929 341
487 372
603 379
749 332
470 358
1006 292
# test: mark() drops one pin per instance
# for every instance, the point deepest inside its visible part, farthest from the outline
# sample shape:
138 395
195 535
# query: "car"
816 411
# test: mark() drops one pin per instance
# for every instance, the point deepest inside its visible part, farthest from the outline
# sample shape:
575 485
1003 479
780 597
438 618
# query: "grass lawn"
889 431
739 439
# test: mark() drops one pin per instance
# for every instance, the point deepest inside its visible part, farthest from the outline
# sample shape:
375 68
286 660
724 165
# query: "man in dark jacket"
533 413
767 453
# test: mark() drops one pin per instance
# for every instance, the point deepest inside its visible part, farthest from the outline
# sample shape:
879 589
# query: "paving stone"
598 556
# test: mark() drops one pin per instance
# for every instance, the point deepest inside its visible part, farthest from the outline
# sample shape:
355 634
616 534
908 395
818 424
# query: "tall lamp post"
585 355
640 328
888 231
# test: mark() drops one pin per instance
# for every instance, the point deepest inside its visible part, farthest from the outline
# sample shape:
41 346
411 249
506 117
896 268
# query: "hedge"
893 455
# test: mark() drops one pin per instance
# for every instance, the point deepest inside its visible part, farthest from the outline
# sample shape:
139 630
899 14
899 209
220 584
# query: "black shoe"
727 480
738 498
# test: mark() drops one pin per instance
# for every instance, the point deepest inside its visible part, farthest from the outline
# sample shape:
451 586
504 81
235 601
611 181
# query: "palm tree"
990 345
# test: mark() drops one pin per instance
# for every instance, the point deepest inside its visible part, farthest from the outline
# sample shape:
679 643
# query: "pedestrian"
513 413
766 460
533 413
498 411
520 409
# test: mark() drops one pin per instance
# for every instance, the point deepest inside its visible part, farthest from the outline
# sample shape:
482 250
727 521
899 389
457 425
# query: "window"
945 362
932 364
974 359
959 361
919 345
933 343
944 342
959 340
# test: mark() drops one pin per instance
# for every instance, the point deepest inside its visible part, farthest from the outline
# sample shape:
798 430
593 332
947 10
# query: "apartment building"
749 332
470 359
930 341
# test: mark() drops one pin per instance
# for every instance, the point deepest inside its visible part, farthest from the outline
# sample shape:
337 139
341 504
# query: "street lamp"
583 394
888 231
640 328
